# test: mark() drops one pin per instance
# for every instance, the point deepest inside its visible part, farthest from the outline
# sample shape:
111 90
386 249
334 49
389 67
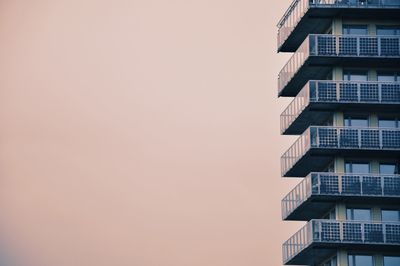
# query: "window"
331 215
391 261
388 30
360 260
388 168
355 30
356 121
331 262
388 123
390 216
388 76
355 75
356 167
358 214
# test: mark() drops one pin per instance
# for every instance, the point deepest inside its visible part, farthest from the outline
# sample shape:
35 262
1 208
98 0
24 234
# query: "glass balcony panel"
370 138
371 185
349 92
391 186
351 185
393 233
327 137
348 46
368 46
389 46
329 184
330 232
349 138
373 233
369 92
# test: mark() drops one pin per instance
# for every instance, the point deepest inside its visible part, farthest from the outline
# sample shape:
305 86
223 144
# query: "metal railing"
339 184
298 8
324 91
327 137
346 232
326 45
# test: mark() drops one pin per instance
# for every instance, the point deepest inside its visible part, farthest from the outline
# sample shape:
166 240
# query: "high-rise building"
344 75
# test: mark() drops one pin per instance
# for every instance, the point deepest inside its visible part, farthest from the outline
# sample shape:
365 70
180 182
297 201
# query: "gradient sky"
141 133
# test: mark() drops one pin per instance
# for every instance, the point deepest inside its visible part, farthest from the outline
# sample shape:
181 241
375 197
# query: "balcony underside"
317 252
318 20
318 205
316 159
318 113
318 67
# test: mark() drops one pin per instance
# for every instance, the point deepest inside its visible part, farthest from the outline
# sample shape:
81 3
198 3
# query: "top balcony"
314 16
319 53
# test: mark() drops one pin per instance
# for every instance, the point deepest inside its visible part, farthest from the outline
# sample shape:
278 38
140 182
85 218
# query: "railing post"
379 46
337 87
341 235
379 92
384 232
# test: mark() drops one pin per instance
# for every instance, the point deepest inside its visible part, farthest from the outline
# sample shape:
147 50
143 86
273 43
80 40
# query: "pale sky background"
141 133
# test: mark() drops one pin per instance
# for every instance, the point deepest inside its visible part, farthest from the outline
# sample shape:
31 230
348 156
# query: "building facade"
344 75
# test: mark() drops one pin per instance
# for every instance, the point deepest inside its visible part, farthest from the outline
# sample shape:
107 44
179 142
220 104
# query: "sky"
141 133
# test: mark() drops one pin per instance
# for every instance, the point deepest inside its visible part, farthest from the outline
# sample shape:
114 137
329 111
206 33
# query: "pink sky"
141 133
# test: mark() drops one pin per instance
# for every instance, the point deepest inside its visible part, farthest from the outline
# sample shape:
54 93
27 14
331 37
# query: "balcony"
318 99
315 16
319 53
319 238
316 194
317 146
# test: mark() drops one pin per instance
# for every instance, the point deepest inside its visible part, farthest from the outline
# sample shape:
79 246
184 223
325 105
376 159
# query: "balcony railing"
298 8
334 46
347 138
340 92
336 184
341 232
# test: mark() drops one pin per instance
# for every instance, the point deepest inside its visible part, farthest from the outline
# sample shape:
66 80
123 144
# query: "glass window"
358 214
331 215
355 30
388 123
330 262
388 30
355 75
387 76
359 168
350 121
388 168
391 261
360 260
390 216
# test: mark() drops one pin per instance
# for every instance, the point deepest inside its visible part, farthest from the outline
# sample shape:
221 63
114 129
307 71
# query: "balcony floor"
318 67
316 113
318 205
316 252
315 159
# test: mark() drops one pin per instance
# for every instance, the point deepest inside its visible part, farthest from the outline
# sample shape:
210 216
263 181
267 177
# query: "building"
344 75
